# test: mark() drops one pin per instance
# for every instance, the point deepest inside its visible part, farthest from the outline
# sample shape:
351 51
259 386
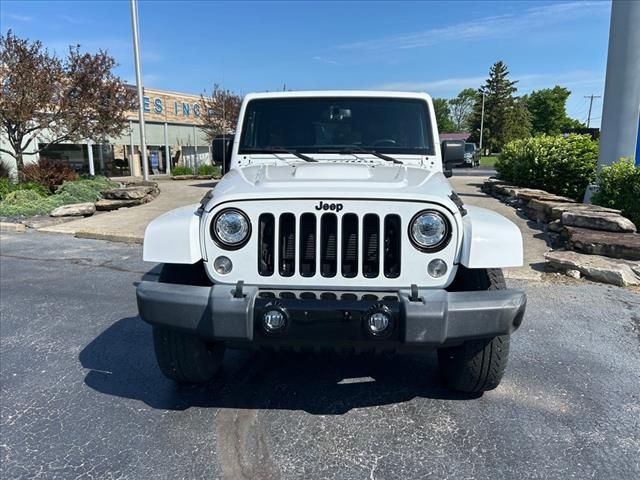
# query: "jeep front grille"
329 245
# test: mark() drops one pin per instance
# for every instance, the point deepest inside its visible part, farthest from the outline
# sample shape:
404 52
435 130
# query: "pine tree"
499 110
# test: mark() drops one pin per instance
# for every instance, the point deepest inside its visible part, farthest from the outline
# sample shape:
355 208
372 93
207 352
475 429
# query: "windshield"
385 125
469 147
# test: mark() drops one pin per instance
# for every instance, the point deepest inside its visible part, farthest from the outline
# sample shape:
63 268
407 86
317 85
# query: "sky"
432 46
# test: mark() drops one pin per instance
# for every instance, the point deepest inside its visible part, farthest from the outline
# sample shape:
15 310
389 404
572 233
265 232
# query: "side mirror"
452 153
222 148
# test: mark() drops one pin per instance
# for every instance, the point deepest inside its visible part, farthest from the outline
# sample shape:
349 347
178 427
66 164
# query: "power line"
590 97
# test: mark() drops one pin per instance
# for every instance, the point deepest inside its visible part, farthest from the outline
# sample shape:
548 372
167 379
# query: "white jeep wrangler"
335 227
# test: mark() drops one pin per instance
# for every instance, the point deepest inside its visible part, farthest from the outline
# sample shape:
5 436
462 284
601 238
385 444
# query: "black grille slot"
392 241
307 245
328 244
371 245
349 245
266 241
287 247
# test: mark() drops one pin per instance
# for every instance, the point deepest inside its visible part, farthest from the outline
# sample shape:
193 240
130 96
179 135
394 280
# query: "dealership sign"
179 108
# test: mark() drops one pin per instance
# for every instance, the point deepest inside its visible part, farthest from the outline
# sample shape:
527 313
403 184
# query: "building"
171 132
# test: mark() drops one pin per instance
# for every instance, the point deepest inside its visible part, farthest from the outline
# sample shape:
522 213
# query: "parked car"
471 155
335 228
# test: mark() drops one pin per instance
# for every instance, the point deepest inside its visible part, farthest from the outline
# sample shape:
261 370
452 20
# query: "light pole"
482 123
136 61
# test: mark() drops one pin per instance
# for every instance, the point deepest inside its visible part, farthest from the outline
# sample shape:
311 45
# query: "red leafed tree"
220 111
46 100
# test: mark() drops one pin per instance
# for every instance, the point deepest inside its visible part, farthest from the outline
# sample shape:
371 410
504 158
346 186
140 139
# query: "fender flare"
174 237
490 240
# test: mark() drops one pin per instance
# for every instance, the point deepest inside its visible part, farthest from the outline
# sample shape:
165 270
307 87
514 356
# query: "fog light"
222 265
437 268
274 320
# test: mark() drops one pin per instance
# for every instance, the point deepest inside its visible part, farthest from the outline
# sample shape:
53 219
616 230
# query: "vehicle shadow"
121 362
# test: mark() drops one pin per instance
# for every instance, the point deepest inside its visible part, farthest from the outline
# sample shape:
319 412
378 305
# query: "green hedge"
208 170
560 165
181 170
619 187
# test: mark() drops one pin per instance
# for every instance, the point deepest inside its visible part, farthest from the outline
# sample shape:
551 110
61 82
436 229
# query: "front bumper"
427 318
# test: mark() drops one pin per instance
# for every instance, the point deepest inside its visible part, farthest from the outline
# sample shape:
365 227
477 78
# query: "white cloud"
324 60
487 27
20 18
526 82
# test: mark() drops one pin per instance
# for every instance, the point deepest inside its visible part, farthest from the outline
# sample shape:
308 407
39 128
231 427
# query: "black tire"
185 358
476 365
181 356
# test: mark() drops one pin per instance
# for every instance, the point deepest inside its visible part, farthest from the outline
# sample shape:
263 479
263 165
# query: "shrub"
565 166
208 170
619 187
26 203
84 190
48 173
181 170
7 186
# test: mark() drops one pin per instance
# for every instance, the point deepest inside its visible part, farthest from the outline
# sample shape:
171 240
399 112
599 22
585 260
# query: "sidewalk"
128 224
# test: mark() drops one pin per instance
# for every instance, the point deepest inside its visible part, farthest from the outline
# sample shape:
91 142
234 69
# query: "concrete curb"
110 237
12 227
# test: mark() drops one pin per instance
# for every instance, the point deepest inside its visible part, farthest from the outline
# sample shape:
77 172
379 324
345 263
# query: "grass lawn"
489 161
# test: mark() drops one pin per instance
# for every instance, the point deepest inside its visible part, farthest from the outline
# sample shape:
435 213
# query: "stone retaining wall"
589 240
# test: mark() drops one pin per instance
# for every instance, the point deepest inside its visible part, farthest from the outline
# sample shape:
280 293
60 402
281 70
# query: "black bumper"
331 319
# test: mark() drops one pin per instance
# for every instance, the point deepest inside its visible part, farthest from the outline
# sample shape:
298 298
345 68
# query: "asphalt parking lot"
81 396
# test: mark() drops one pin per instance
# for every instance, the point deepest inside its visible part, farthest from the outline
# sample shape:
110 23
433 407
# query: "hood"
335 180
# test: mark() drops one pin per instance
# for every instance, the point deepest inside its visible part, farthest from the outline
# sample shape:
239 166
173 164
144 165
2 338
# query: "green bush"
619 187
560 165
208 170
84 190
181 170
7 186
26 203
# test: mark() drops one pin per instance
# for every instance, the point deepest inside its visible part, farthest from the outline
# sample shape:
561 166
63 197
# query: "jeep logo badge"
329 206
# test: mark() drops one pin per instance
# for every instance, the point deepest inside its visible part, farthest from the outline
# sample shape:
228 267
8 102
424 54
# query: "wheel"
181 356
476 365
185 358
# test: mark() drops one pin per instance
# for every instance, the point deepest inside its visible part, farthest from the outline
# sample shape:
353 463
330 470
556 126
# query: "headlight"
231 228
429 230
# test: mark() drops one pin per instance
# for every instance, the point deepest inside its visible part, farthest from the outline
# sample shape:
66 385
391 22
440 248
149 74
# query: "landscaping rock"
74 210
129 193
540 210
559 209
602 269
113 204
555 226
573 274
598 221
610 244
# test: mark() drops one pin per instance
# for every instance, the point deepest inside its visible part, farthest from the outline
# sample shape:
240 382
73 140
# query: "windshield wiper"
276 150
382 156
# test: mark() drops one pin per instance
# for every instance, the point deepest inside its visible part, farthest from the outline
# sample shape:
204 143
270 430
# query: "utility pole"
590 97
136 59
482 124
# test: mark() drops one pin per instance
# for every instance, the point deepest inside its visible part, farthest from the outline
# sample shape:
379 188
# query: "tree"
461 108
517 121
52 100
441 110
498 91
221 110
548 111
